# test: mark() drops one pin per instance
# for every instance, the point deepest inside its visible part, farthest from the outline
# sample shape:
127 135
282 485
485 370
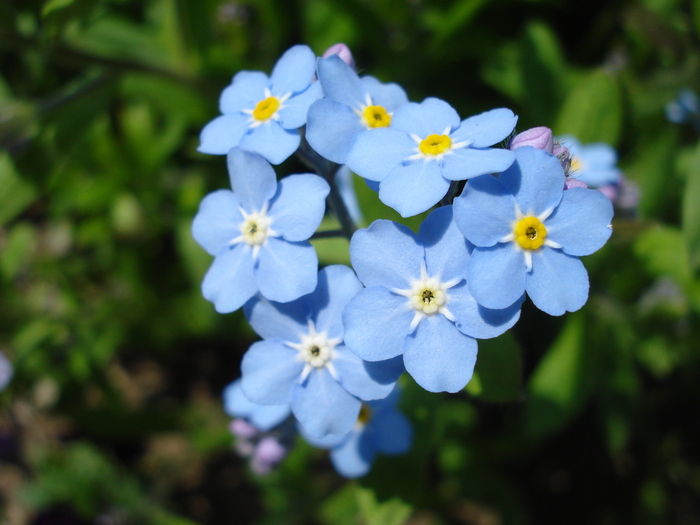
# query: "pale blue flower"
262 417
594 164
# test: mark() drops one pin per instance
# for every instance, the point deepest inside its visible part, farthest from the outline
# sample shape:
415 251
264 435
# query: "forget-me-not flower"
426 148
262 114
262 417
418 302
303 361
594 164
529 234
258 233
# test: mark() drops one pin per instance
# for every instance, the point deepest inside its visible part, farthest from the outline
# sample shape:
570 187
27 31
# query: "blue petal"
558 282
393 433
467 163
438 356
286 270
337 284
252 179
390 96
246 89
386 254
477 321
293 113
488 128
496 275
340 82
324 407
294 71
485 211
269 372
355 378
432 116
375 152
325 442
285 321
262 417
346 188
354 457
536 180
218 221
413 188
581 222
377 323
272 141
298 206
223 133
229 282
446 252
330 128
386 372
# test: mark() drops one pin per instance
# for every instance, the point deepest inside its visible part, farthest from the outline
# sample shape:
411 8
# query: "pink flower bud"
540 138
570 182
268 454
343 52
242 429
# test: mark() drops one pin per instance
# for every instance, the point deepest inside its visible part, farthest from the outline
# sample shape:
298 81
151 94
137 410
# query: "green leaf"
391 512
15 193
691 212
498 373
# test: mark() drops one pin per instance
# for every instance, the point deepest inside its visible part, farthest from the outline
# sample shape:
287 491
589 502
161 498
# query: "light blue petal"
337 284
324 407
340 82
223 133
331 127
597 177
477 321
386 254
390 96
353 458
346 188
246 89
229 282
485 211
486 129
432 116
269 372
325 442
386 372
377 323
375 152
581 222
413 188
218 221
294 71
496 275
286 270
558 282
262 417
272 141
253 180
467 163
284 321
438 356
446 251
298 206
293 113
536 180
393 432
354 377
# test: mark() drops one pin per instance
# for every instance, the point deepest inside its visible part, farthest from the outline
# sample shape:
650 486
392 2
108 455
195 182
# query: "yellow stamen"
376 117
435 144
530 233
365 415
266 108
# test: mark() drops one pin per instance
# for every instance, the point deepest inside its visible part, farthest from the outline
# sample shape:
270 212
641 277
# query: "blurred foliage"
114 413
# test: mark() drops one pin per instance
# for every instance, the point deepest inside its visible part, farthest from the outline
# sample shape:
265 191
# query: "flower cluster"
509 224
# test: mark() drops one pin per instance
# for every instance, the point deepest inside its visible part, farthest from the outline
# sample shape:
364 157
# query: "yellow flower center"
265 109
576 164
435 144
530 233
365 415
376 117
255 229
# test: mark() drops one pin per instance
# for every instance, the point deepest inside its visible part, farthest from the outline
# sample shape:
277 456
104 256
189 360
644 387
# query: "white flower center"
255 229
317 350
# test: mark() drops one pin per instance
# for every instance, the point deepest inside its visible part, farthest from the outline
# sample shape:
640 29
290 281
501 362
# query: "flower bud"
268 454
242 429
342 51
540 138
571 182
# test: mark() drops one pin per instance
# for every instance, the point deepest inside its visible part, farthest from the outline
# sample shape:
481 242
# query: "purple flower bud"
540 138
242 429
611 191
267 455
342 51
570 182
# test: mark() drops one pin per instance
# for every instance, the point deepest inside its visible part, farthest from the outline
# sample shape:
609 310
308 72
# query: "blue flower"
417 302
686 108
380 428
302 359
352 107
594 164
426 148
262 417
5 371
529 234
258 234
261 113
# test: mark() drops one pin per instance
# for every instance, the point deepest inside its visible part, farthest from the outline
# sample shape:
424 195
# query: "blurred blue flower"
418 303
426 148
303 361
258 233
594 164
262 114
686 108
6 371
262 417
529 233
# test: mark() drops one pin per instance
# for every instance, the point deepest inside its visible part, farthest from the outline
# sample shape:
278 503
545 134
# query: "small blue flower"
5 371
686 108
426 148
262 114
529 234
258 234
352 107
380 428
303 361
262 417
418 302
594 164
